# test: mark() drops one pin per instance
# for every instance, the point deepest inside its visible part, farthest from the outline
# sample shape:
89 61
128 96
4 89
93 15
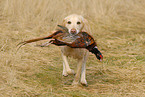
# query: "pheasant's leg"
47 43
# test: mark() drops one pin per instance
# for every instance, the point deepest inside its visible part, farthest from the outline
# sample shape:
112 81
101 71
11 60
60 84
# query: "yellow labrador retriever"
75 23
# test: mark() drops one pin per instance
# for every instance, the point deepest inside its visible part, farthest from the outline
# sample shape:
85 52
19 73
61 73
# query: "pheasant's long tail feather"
32 40
21 44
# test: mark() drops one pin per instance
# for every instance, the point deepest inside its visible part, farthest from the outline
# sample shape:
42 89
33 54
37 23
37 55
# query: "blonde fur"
77 53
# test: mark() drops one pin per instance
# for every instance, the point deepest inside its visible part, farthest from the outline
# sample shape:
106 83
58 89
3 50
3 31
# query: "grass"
117 26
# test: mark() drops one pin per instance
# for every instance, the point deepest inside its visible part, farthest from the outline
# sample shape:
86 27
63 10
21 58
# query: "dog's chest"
76 53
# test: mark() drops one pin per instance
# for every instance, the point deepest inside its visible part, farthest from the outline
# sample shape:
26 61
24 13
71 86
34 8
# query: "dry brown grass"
117 25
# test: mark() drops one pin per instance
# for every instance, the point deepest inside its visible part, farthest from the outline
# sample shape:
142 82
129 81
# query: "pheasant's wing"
87 39
66 37
83 40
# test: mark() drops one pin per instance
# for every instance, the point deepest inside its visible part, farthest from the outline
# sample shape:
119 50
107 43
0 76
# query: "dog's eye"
69 22
78 23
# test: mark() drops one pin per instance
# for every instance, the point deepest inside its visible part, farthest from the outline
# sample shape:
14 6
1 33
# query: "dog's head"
74 23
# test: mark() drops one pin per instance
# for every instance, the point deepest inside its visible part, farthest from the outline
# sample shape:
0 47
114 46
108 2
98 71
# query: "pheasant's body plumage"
63 38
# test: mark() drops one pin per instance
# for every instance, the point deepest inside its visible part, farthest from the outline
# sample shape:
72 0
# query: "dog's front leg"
66 68
83 73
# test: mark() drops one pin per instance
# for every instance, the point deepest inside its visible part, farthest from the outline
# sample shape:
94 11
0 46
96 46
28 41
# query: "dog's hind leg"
78 72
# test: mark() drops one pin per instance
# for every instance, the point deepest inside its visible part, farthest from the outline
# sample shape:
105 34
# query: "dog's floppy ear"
86 27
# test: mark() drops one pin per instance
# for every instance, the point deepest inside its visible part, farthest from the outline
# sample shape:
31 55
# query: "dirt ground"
118 26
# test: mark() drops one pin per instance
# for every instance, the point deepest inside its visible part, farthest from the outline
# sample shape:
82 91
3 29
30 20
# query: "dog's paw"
84 83
70 72
65 75
75 84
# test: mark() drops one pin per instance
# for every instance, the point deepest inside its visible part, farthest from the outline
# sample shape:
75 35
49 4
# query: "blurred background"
118 26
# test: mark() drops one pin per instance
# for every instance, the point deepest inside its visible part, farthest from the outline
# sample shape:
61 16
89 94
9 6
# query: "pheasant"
63 38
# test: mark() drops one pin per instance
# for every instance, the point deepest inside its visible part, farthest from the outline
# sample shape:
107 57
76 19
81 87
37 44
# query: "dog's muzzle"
73 31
